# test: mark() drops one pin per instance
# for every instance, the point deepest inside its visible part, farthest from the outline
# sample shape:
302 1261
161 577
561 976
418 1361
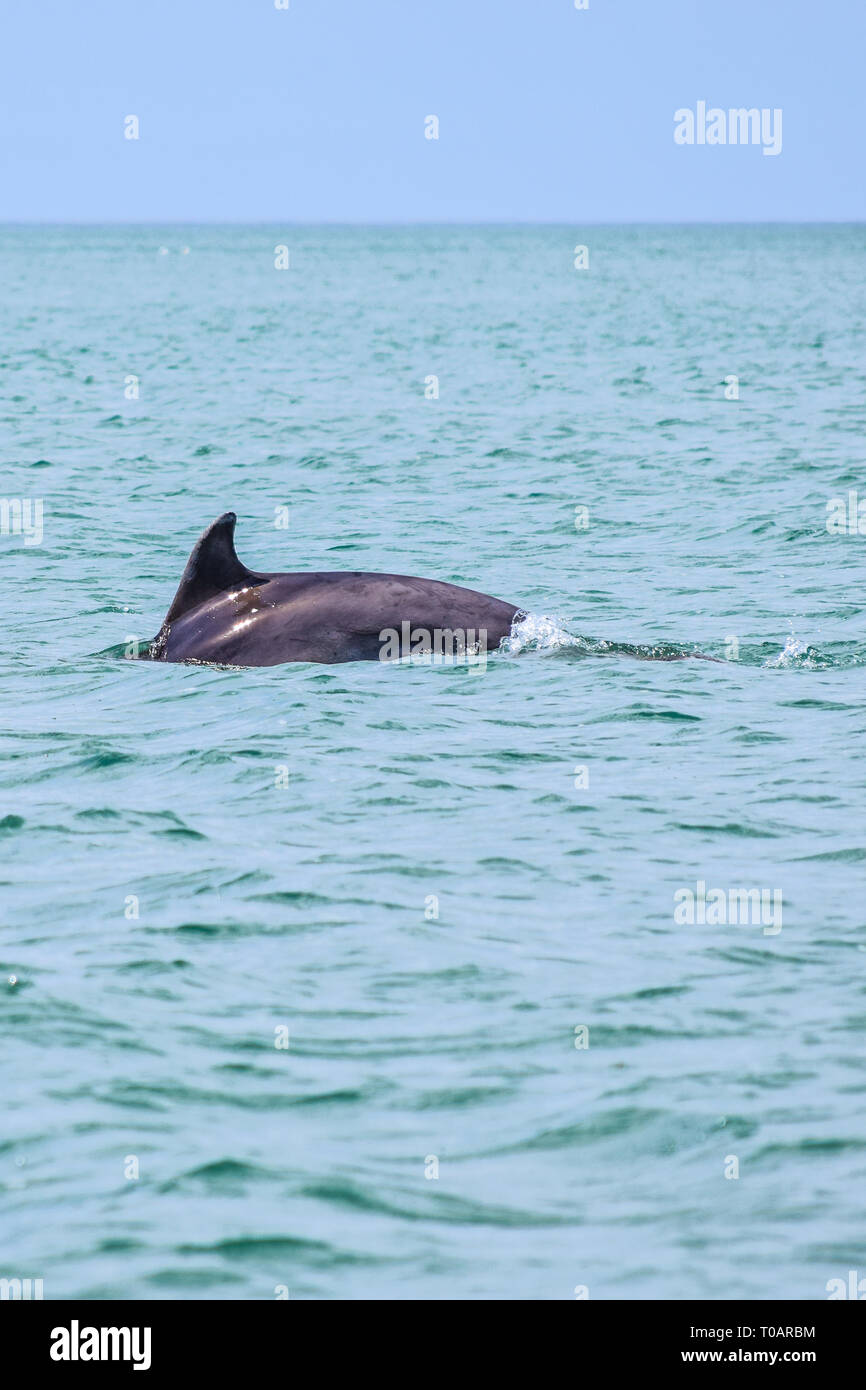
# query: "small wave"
549 636
796 652
140 650
535 632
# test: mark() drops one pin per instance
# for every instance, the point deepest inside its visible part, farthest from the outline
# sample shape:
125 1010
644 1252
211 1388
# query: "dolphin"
226 614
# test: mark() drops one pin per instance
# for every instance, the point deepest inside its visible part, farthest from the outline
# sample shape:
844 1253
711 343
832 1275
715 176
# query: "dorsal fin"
212 568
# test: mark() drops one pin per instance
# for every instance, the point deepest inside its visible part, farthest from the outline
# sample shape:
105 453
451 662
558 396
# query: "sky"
316 113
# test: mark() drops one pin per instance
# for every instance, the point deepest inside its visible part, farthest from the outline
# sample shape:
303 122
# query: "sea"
537 978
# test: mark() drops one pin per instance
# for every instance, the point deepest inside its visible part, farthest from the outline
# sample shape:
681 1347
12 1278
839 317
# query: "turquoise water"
130 786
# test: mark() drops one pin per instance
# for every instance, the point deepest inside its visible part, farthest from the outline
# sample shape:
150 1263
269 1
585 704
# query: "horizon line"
425 222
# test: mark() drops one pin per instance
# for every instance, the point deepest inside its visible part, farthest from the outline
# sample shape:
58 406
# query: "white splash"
794 647
536 632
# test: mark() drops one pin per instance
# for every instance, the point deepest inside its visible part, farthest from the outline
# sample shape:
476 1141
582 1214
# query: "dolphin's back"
224 612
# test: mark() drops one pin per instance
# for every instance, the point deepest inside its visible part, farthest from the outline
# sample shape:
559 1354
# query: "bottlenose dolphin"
228 614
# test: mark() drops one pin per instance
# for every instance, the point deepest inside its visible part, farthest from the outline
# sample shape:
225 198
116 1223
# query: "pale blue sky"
547 113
